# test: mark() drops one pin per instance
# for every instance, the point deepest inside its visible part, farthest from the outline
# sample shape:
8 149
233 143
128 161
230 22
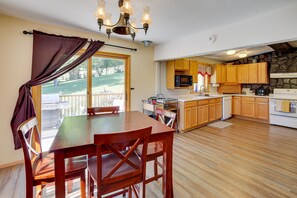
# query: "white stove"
282 107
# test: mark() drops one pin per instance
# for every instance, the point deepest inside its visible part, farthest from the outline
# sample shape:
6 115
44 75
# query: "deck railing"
77 103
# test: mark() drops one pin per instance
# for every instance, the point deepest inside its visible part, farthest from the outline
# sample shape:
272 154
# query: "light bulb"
127 8
231 52
100 12
146 15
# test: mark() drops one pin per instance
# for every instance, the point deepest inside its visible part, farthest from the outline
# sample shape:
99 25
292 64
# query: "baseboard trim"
11 164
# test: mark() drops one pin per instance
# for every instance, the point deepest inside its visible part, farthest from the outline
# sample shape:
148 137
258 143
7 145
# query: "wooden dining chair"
119 170
155 149
101 110
39 166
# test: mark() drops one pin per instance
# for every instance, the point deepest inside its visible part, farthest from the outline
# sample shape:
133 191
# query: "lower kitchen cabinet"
248 107
251 107
262 108
190 114
219 109
236 105
212 112
202 114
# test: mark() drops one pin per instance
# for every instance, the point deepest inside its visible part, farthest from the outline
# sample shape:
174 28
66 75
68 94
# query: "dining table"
75 137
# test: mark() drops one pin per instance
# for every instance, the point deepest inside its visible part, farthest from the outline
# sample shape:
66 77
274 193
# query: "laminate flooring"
246 159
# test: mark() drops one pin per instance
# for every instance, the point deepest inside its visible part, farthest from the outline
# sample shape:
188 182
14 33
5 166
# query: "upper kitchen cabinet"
242 73
179 67
194 70
252 73
262 73
231 74
182 64
219 74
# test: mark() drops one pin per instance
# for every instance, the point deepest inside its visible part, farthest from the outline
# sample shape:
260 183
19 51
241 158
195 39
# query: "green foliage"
74 86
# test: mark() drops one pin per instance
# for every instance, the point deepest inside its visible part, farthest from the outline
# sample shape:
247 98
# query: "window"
204 72
102 80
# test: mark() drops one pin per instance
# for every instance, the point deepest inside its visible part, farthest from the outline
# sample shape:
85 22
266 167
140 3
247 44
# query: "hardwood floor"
246 159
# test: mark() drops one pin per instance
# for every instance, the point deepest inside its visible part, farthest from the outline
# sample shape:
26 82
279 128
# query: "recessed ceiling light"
242 55
231 52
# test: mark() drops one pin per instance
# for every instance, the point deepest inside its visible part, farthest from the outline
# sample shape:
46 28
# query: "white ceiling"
172 19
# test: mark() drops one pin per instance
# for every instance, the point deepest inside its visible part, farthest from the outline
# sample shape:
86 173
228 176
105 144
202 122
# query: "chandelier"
125 25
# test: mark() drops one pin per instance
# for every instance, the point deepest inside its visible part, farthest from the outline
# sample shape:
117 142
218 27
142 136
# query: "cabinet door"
236 105
194 114
262 108
224 73
262 73
242 74
202 114
218 73
194 70
212 112
188 118
253 73
218 110
248 107
186 65
205 114
231 74
170 74
182 64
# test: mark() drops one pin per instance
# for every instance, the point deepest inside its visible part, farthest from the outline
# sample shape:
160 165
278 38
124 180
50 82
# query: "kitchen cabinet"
219 74
262 108
212 112
231 73
262 73
236 105
219 109
242 74
190 114
215 109
182 64
170 74
252 73
202 114
194 70
248 107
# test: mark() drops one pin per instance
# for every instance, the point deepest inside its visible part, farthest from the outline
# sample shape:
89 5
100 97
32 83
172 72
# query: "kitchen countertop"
192 97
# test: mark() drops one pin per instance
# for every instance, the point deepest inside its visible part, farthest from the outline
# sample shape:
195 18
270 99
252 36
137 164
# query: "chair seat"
154 150
44 168
109 161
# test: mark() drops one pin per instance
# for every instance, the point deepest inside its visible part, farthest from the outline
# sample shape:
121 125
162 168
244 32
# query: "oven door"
273 108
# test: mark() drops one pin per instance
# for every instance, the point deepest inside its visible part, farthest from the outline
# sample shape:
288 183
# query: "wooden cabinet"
262 108
190 114
212 112
231 74
236 105
219 110
170 74
242 74
248 107
194 70
202 114
182 64
262 73
219 74
253 73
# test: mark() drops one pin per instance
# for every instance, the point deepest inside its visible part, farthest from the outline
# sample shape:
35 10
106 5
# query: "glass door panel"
108 82
64 96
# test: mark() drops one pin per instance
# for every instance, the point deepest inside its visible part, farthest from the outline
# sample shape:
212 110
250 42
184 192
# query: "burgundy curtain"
50 52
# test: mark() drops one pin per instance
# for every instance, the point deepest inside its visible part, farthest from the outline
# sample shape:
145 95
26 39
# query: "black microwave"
183 80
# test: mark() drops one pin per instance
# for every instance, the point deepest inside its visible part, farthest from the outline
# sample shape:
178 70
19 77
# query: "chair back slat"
166 117
112 142
103 110
30 140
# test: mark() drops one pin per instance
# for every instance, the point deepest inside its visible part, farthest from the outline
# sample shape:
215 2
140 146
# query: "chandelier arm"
137 28
113 24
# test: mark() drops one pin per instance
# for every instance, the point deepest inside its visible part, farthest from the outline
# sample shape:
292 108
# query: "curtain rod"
110 45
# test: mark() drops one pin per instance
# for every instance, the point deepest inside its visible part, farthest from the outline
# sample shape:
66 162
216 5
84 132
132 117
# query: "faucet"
201 90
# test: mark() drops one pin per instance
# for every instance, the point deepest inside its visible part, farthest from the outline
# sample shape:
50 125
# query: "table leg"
167 161
60 174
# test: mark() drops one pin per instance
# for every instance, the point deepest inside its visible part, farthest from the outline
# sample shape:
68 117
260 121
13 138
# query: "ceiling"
172 19
222 56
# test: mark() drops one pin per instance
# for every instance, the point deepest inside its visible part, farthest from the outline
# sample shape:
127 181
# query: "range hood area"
283 75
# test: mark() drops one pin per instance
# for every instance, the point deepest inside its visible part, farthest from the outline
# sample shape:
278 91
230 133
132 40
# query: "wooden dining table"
75 137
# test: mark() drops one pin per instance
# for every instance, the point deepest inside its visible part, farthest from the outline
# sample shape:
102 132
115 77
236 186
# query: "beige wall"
15 69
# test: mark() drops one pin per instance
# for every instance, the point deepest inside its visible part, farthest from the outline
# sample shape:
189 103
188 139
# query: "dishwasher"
227 107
